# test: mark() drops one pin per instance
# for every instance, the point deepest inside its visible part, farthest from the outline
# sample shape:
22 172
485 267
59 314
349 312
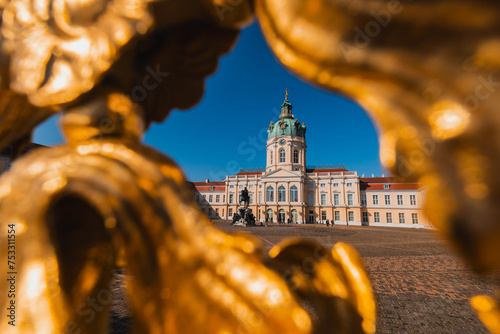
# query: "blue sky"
226 131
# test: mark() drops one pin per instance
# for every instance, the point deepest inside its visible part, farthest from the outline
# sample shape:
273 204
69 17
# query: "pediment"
282 173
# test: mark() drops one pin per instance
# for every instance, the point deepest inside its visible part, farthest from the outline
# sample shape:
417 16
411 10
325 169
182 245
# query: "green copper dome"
287 125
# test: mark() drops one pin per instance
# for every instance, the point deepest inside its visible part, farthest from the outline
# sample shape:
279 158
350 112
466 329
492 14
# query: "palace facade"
287 188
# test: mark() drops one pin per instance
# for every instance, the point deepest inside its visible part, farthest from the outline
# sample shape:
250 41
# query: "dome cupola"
287 124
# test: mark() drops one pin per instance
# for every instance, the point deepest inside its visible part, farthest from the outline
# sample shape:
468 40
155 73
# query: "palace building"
287 188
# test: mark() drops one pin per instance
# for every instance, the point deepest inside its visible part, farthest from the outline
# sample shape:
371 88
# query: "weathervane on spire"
286 94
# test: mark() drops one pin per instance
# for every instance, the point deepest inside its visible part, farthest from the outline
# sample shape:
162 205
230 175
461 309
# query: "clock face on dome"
282 142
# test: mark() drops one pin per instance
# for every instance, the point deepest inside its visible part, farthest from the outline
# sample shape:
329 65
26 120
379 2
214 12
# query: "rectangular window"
388 215
204 198
349 184
322 185
231 198
217 212
260 198
310 185
210 198
250 186
231 186
365 217
386 186
376 217
414 218
336 199
335 185
350 200
363 199
223 198
351 216
323 199
250 198
375 199
323 215
387 199
310 198
413 200
230 213
400 199
217 198
209 212
337 216
401 218
241 187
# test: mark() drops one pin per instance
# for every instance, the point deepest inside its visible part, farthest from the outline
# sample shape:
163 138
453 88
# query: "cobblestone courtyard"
420 286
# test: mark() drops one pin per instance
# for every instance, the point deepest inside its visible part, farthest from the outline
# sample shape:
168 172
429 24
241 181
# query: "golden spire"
286 94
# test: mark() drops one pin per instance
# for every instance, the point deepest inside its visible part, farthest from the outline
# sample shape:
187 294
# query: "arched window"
270 214
295 157
282 155
295 216
282 215
270 194
281 194
271 158
294 194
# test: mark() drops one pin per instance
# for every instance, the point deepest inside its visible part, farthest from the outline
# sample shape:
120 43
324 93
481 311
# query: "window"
217 212
323 199
270 214
281 194
241 186
376 217
310 198
323 215
250 186
204 198
223 198
210 212
337 216
349 184
260 198
322 185
212 187
413 200
295 157
282 156
231 186
386 186
388 215
400 199
336 199
217 198
363 199
250 198
375 199
401 218
387 199
310 185
270 194
351 216
365 217
295 216
231 198
210 198
350 200
335 185
294 194
296 168
414 218
230 212
271 159
260 186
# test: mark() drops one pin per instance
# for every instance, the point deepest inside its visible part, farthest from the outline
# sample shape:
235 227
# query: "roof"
377 183
249 173
326 170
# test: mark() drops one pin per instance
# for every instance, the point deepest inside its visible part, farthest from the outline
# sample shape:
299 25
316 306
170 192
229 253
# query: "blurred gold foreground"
427 72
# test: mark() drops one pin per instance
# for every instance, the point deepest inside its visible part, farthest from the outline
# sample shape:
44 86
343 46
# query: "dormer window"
386 186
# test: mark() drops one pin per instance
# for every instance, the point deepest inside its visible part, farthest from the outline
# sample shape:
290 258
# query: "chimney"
207 180
363 175
373 175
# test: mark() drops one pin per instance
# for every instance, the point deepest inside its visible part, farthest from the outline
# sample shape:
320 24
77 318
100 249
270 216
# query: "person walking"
327 223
